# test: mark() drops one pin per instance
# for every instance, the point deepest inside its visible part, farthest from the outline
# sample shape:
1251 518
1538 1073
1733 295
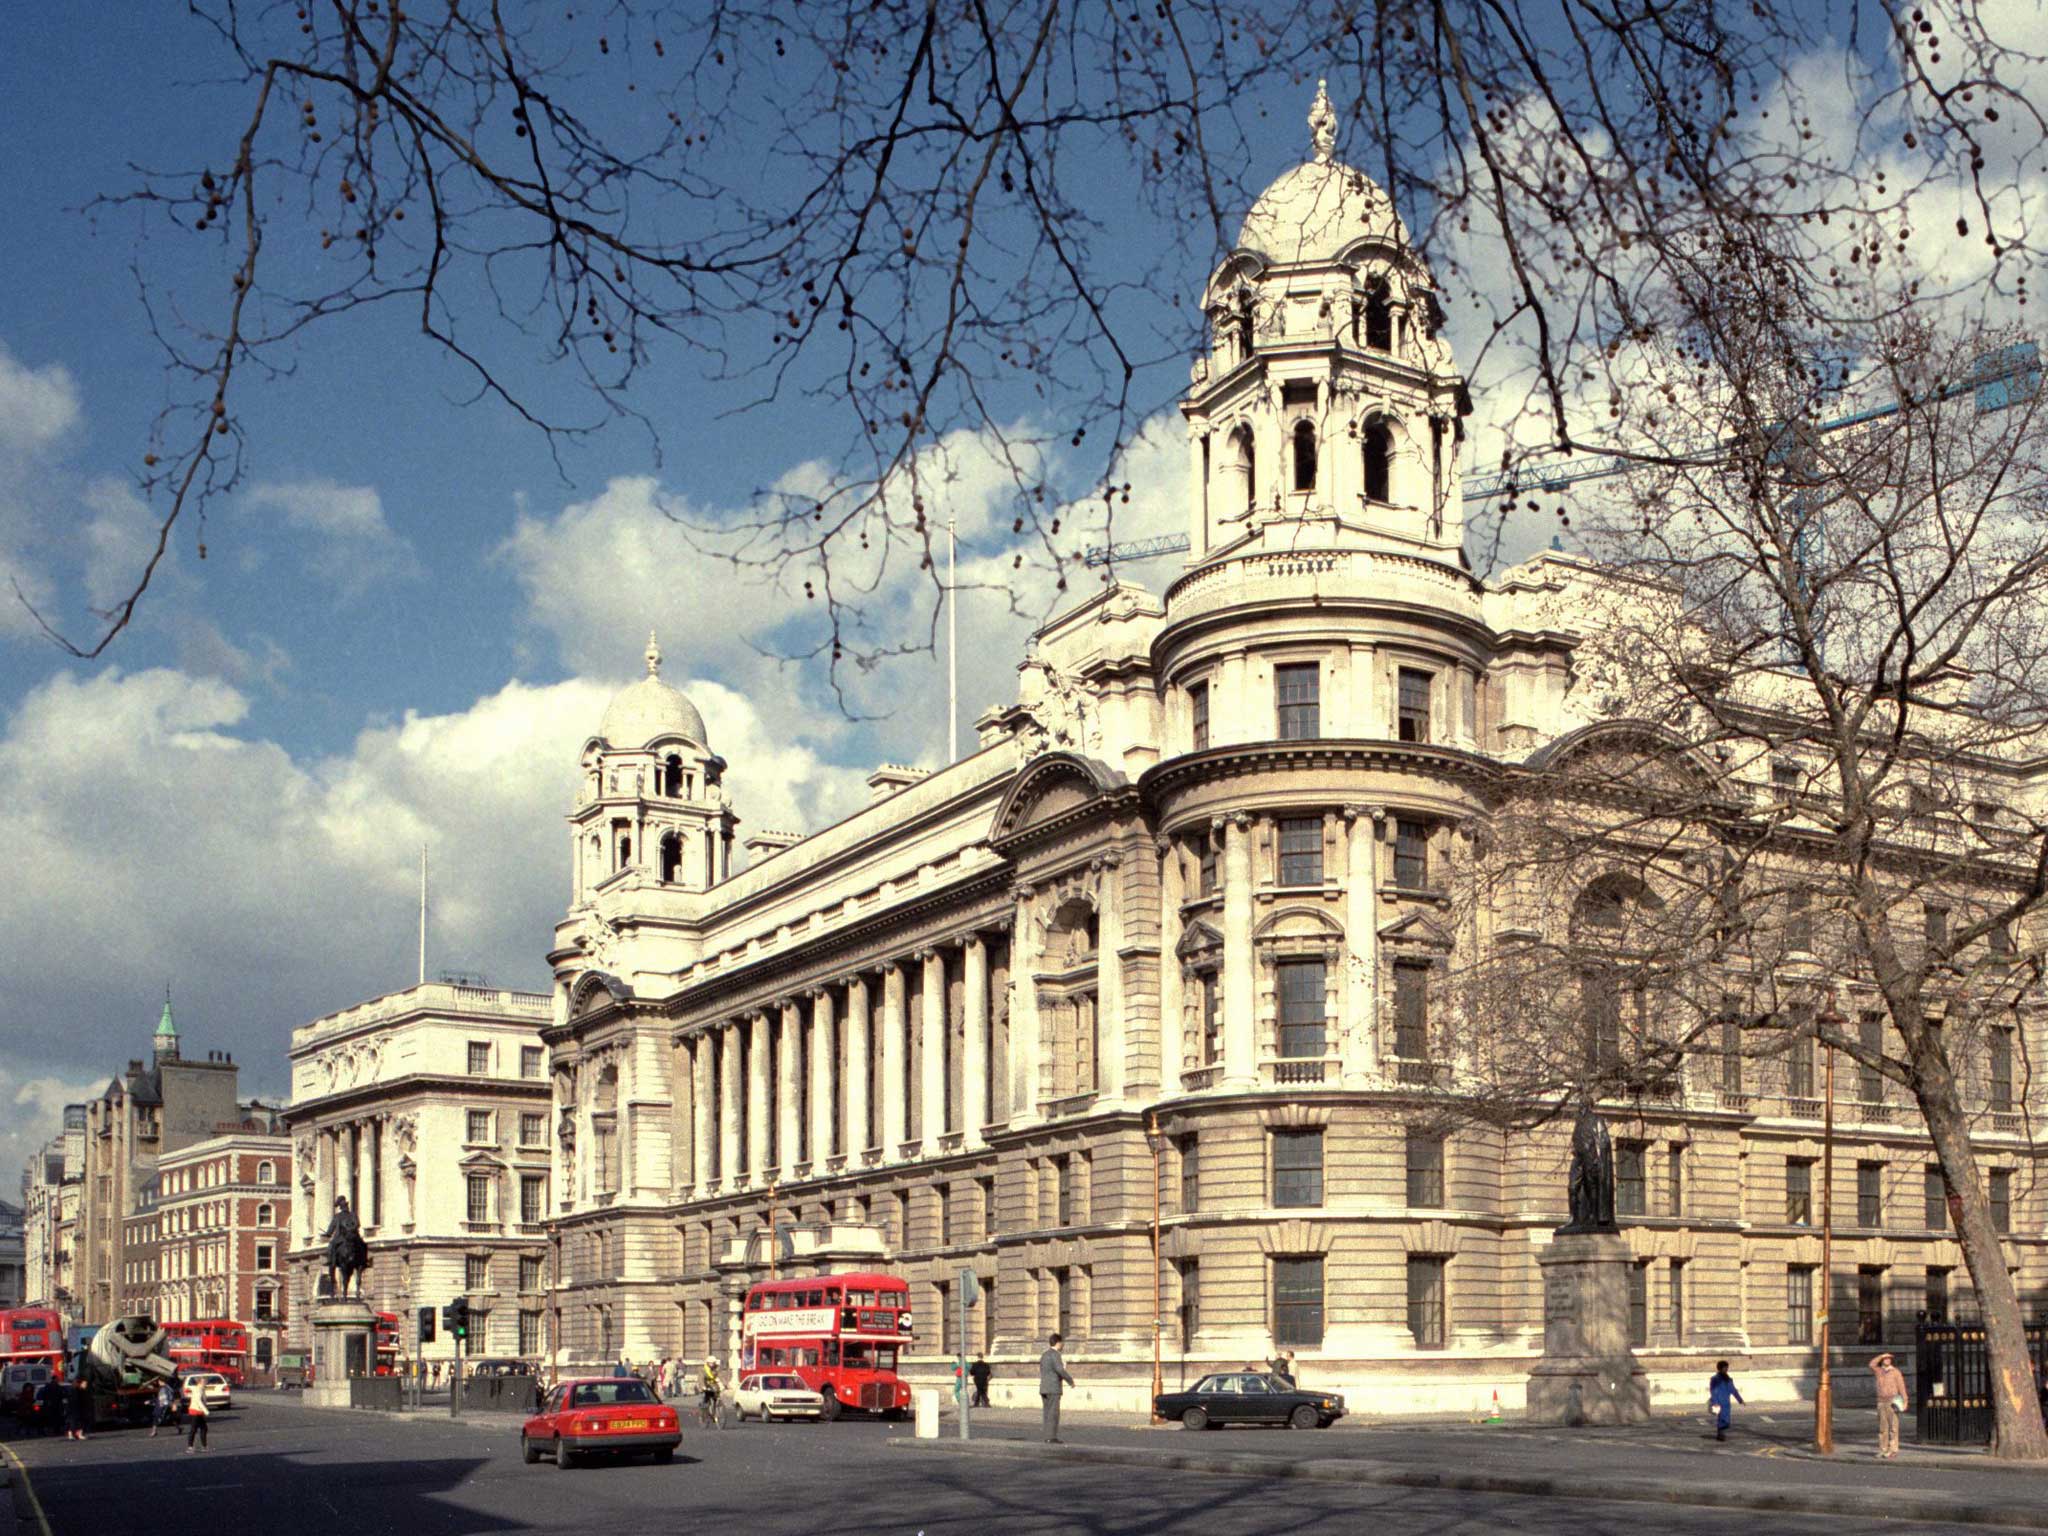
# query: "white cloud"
34 1103
352 545
39 411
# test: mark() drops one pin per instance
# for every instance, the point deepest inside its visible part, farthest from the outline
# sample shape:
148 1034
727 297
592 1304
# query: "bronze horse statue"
347 1254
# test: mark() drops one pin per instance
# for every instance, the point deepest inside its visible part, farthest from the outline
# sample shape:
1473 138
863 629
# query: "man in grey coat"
1053 1379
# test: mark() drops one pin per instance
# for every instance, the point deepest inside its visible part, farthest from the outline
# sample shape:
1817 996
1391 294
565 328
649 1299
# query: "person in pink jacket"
1891 1402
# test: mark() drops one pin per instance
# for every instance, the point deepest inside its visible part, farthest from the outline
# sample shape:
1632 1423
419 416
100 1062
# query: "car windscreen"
603 1394
782 1383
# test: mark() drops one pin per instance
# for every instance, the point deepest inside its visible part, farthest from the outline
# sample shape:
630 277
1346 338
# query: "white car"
769 1395
212 1385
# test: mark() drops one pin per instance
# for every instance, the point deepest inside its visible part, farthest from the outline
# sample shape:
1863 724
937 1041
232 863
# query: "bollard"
926 1401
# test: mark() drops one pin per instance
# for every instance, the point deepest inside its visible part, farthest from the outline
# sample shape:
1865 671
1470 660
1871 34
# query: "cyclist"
709 1388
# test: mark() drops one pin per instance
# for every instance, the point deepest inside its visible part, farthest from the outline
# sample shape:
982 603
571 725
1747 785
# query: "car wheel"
1194 1418
564 1458
1303 1417
665 1455
829 1409
527 1452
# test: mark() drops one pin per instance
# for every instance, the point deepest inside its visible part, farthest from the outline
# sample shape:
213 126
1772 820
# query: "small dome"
1317 209
649 709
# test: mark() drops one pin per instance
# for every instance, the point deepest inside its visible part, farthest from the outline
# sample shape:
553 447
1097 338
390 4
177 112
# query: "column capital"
974 940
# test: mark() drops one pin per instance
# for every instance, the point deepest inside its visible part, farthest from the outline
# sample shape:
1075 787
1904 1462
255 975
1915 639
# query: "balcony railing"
1803 1109
2005 1122
1195 1079
1421 1074
1736 1100
1297 1071
1070 1104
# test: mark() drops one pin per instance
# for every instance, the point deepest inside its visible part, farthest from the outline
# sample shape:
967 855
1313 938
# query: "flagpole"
423 914
952 644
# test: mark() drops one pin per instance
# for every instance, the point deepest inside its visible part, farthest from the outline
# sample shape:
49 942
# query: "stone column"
729 1091
758 1046
1359 1031
788 1129
895 1109
856 1074
1229 708
1111 1036
323 1183
1240 1006
934 1038
821 1077
700 1091
1172 1033
1023 1012
974 1106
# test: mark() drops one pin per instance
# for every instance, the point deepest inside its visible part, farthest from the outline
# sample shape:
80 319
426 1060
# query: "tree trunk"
2017 1433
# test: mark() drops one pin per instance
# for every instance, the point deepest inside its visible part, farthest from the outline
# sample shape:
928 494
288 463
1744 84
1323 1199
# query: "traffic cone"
1495 1417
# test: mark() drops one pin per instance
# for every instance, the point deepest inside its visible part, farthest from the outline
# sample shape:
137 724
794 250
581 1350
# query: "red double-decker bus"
840 1333
210 1344
387 1343
31 1336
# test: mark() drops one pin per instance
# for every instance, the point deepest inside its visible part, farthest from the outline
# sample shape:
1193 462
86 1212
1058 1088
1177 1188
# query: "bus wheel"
829 1409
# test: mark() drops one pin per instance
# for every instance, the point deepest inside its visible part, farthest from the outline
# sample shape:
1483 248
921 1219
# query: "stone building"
1178 929
145 1112
50 1188
207 1237
13 1257
428 1109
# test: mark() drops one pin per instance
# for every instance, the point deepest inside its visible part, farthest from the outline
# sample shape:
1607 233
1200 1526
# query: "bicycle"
707 1411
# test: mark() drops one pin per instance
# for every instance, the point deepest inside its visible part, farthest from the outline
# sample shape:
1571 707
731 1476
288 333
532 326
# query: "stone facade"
50 1186
428 1109
1171 940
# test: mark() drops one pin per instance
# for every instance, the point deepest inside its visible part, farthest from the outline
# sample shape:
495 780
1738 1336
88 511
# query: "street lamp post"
1156 1141
1824 1390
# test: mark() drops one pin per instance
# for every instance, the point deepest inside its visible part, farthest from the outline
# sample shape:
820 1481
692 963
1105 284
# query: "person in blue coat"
1721 1393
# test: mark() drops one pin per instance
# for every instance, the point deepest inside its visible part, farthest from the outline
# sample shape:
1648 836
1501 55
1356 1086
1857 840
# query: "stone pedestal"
344 1345
1588 1373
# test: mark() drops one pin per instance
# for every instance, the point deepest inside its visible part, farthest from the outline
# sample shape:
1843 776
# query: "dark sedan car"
1248 1397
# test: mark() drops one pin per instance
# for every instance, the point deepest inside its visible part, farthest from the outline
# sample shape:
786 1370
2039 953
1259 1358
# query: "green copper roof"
164 1027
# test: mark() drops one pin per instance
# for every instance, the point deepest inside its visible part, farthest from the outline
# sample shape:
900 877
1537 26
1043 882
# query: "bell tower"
652 808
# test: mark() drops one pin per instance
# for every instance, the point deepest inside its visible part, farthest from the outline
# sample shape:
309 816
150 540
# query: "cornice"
1176 774
422 1083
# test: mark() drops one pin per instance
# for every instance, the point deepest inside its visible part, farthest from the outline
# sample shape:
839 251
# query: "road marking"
35 1504
212 1487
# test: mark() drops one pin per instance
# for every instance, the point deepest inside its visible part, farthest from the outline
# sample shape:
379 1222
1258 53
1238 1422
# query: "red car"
600 1416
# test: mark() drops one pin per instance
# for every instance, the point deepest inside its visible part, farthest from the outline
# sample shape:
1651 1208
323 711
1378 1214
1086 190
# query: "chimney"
890 777
764 844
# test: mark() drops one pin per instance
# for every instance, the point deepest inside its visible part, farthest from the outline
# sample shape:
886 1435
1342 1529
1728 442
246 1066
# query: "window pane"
1297 690
1198 707
1426 1301
479 1057
1425 1169
1411 1011
1298 1301
1411 855
1297 1168
1628 1179
1798 1191
1639 1305
1301 987
1413 721
1301 850
1869 1195
1936 1200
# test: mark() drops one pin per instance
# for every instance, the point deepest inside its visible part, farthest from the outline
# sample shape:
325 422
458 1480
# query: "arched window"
1379 319
1304 455
1379 460
266 1173
1243 470
672 775
671 856
266 1215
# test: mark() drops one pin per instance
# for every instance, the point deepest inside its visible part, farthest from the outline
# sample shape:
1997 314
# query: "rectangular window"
1674 1181
1785 780
988 1206
476 1273
264 1312
479 1197
1869 1194
1413 721
1063 1301
1411 855
1870 1035
1297 1168
1675 1303
479 1058
1934 925
1301 850
529 1274
1935 1198
1298 690
1301 986
944 1195
1799 921
1205 862
1799 1067
1426 1300
1936 1298
2000 1041
1063 1183
1212 1018
1799 1191
1411 1010
479 1127
1628 1179
1731 1053
1425 1169
1190 1148
531 1061
1798 1304
533 1198
2002 946
266 1256
1198 714
1869 1305
531 1129
1298 1302
1639 1304
529 1334
1190 1271
2001 1199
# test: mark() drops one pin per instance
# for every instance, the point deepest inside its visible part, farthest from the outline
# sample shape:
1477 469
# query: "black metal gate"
1952 1381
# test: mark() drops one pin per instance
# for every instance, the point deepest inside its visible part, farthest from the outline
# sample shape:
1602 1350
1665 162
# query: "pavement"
279 1465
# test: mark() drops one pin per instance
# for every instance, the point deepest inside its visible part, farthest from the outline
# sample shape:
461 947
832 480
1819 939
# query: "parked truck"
121 1367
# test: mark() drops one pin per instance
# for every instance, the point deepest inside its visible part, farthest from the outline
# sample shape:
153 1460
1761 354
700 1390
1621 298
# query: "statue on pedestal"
347 1254
1591 1187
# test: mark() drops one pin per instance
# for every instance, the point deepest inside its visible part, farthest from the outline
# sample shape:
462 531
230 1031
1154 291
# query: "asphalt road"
278 1467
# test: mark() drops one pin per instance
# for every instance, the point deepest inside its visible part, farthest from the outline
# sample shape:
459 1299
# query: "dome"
1315 210
650 708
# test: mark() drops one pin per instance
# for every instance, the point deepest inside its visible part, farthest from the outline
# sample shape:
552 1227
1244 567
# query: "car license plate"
629 1423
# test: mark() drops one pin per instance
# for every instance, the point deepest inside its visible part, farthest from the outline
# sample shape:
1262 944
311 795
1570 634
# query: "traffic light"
455 1318
426 1325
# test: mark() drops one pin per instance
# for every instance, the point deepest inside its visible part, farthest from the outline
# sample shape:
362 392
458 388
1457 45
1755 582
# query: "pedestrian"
77 1410
196 1416
1293 1376
1720 1392
1053 1379
49 1406
980 1372
1891 1402
1281 1367
160 1408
